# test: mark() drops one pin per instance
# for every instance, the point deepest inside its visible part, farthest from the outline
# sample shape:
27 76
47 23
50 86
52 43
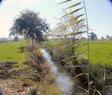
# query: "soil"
19 82
12 87
8 84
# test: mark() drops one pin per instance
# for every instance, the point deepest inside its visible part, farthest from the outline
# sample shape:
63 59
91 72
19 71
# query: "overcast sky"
99 13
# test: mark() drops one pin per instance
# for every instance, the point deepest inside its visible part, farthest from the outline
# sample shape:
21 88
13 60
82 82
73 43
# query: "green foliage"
30 25
74 5
70 13
65 1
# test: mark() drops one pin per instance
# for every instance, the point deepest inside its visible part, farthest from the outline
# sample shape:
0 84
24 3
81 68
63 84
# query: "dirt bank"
12 87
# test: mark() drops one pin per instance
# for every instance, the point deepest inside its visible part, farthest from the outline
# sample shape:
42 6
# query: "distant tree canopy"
30 25
92 36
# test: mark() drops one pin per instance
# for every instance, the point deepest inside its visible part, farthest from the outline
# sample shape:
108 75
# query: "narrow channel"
63 80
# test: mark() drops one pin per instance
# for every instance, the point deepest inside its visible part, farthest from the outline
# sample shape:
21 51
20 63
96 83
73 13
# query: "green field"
100 52
9 51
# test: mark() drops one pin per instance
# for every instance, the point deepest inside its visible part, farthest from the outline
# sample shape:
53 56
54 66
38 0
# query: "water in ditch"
63 80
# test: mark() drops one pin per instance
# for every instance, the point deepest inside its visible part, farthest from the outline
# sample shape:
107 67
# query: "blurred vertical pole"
87 31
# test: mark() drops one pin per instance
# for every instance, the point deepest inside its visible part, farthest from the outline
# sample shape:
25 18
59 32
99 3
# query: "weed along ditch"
63 80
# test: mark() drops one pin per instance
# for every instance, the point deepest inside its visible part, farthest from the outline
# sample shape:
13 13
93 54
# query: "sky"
99 14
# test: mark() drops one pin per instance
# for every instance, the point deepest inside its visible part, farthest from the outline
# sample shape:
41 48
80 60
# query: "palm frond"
72 12
74 5
74 23
75 33
75 18
65 1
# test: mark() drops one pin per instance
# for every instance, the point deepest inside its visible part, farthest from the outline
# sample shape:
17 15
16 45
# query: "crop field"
100 52
9 51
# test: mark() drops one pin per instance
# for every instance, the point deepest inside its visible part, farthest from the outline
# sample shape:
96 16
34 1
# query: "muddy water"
63 80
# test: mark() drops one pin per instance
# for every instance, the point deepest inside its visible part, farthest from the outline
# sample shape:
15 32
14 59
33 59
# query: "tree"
92 36
108 37
30 25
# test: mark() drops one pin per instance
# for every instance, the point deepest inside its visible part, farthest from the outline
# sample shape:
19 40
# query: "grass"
101 53
57 47
9 51
48 89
